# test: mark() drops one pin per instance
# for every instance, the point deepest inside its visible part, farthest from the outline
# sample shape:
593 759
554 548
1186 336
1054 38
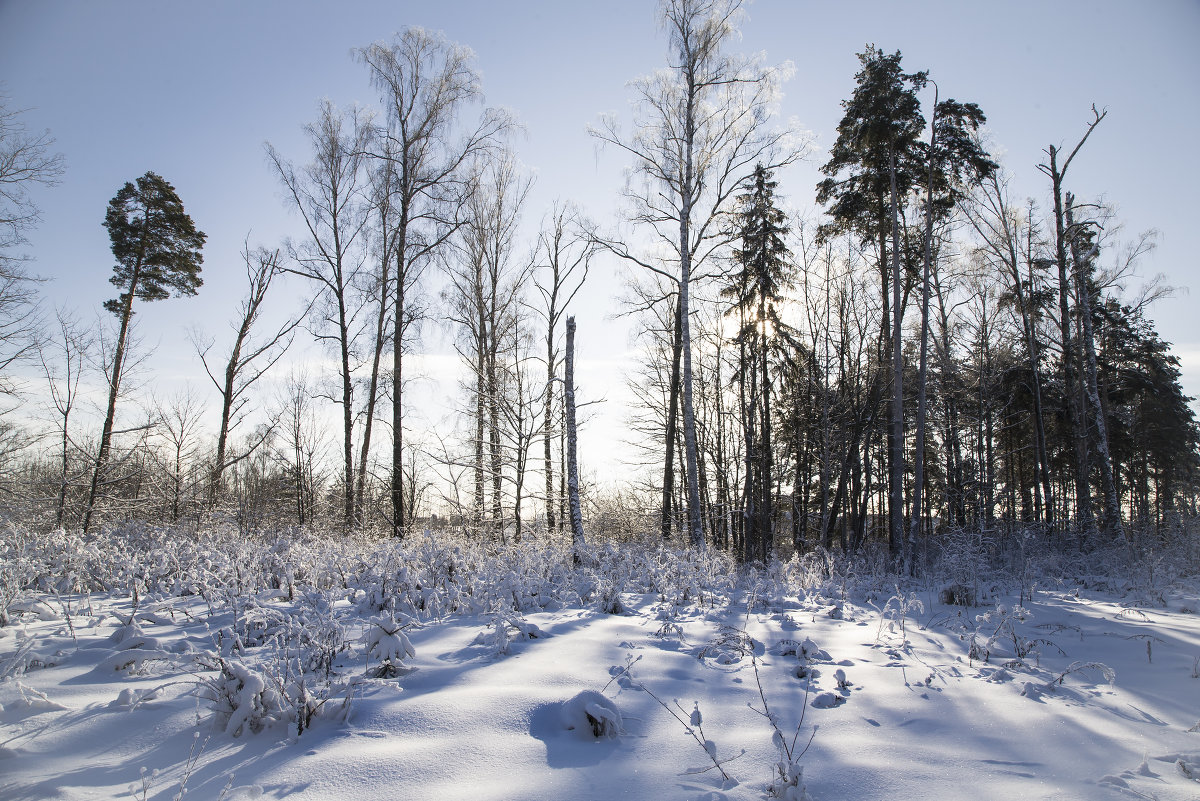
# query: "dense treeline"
931 355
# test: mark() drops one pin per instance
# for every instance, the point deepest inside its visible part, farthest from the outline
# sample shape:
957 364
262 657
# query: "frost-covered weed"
895 612
693 726
729 646
506 627
670 625
1000 626
788 775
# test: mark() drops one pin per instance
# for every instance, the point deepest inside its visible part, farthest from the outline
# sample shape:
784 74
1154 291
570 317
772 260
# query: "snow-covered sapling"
895 612
505 627
387 642
670 627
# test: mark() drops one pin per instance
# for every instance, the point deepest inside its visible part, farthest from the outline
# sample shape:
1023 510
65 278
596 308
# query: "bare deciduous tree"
26 160
248 361
426 83
328 194
563 257
63 365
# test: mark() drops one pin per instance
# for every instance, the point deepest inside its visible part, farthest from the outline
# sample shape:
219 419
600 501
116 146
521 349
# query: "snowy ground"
902 697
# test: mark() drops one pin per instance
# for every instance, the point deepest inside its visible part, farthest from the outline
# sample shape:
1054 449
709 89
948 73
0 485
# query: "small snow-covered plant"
670 626
386 641
1003 622
693 726
590 711
894 615
729 646
141 789
1109 674
788 777
315 633
608 596
189 767
241 697
505 627
18 663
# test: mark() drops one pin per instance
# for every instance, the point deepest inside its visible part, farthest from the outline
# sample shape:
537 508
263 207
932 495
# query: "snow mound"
591 715
827 700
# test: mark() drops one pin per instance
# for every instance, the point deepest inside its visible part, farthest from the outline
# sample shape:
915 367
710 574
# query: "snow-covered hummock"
558 716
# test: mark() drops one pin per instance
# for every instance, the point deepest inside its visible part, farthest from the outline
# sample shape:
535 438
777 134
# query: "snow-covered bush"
504 628
894 614
243 699
386 641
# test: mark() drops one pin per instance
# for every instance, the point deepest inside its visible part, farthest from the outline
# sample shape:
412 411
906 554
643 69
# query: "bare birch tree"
563 258
483 296
328 194
426 83
26 160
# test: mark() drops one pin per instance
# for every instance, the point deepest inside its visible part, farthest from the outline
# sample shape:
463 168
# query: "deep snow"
903 702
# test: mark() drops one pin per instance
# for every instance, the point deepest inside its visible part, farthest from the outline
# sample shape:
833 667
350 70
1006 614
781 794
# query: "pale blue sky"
192 90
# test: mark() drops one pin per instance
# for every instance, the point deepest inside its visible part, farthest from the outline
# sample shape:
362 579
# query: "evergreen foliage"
155 243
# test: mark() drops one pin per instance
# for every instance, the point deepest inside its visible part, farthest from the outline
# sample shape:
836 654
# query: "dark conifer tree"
157 249
875 162
755 289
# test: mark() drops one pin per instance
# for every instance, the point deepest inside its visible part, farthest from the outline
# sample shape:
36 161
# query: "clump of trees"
929 355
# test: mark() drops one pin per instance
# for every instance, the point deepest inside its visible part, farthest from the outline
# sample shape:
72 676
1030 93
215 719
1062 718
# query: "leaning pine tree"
157 250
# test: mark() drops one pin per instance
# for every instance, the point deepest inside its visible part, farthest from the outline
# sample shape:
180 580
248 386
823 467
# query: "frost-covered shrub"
894 614
242 698
788 783
504 628
386 641
246 697
607 594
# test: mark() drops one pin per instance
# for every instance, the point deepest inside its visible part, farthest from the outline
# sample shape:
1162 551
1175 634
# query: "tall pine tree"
873 165
157 249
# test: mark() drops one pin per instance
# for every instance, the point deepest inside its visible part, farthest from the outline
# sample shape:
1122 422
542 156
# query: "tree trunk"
1083 493
896 431
577 540
548 429
1082 263
672 433
373 386
113 390
923 363
767 505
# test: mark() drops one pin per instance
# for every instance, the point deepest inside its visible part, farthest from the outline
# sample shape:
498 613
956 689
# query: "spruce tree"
157 249
755 289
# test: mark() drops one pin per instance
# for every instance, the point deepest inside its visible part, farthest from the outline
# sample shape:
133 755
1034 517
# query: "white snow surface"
895 706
